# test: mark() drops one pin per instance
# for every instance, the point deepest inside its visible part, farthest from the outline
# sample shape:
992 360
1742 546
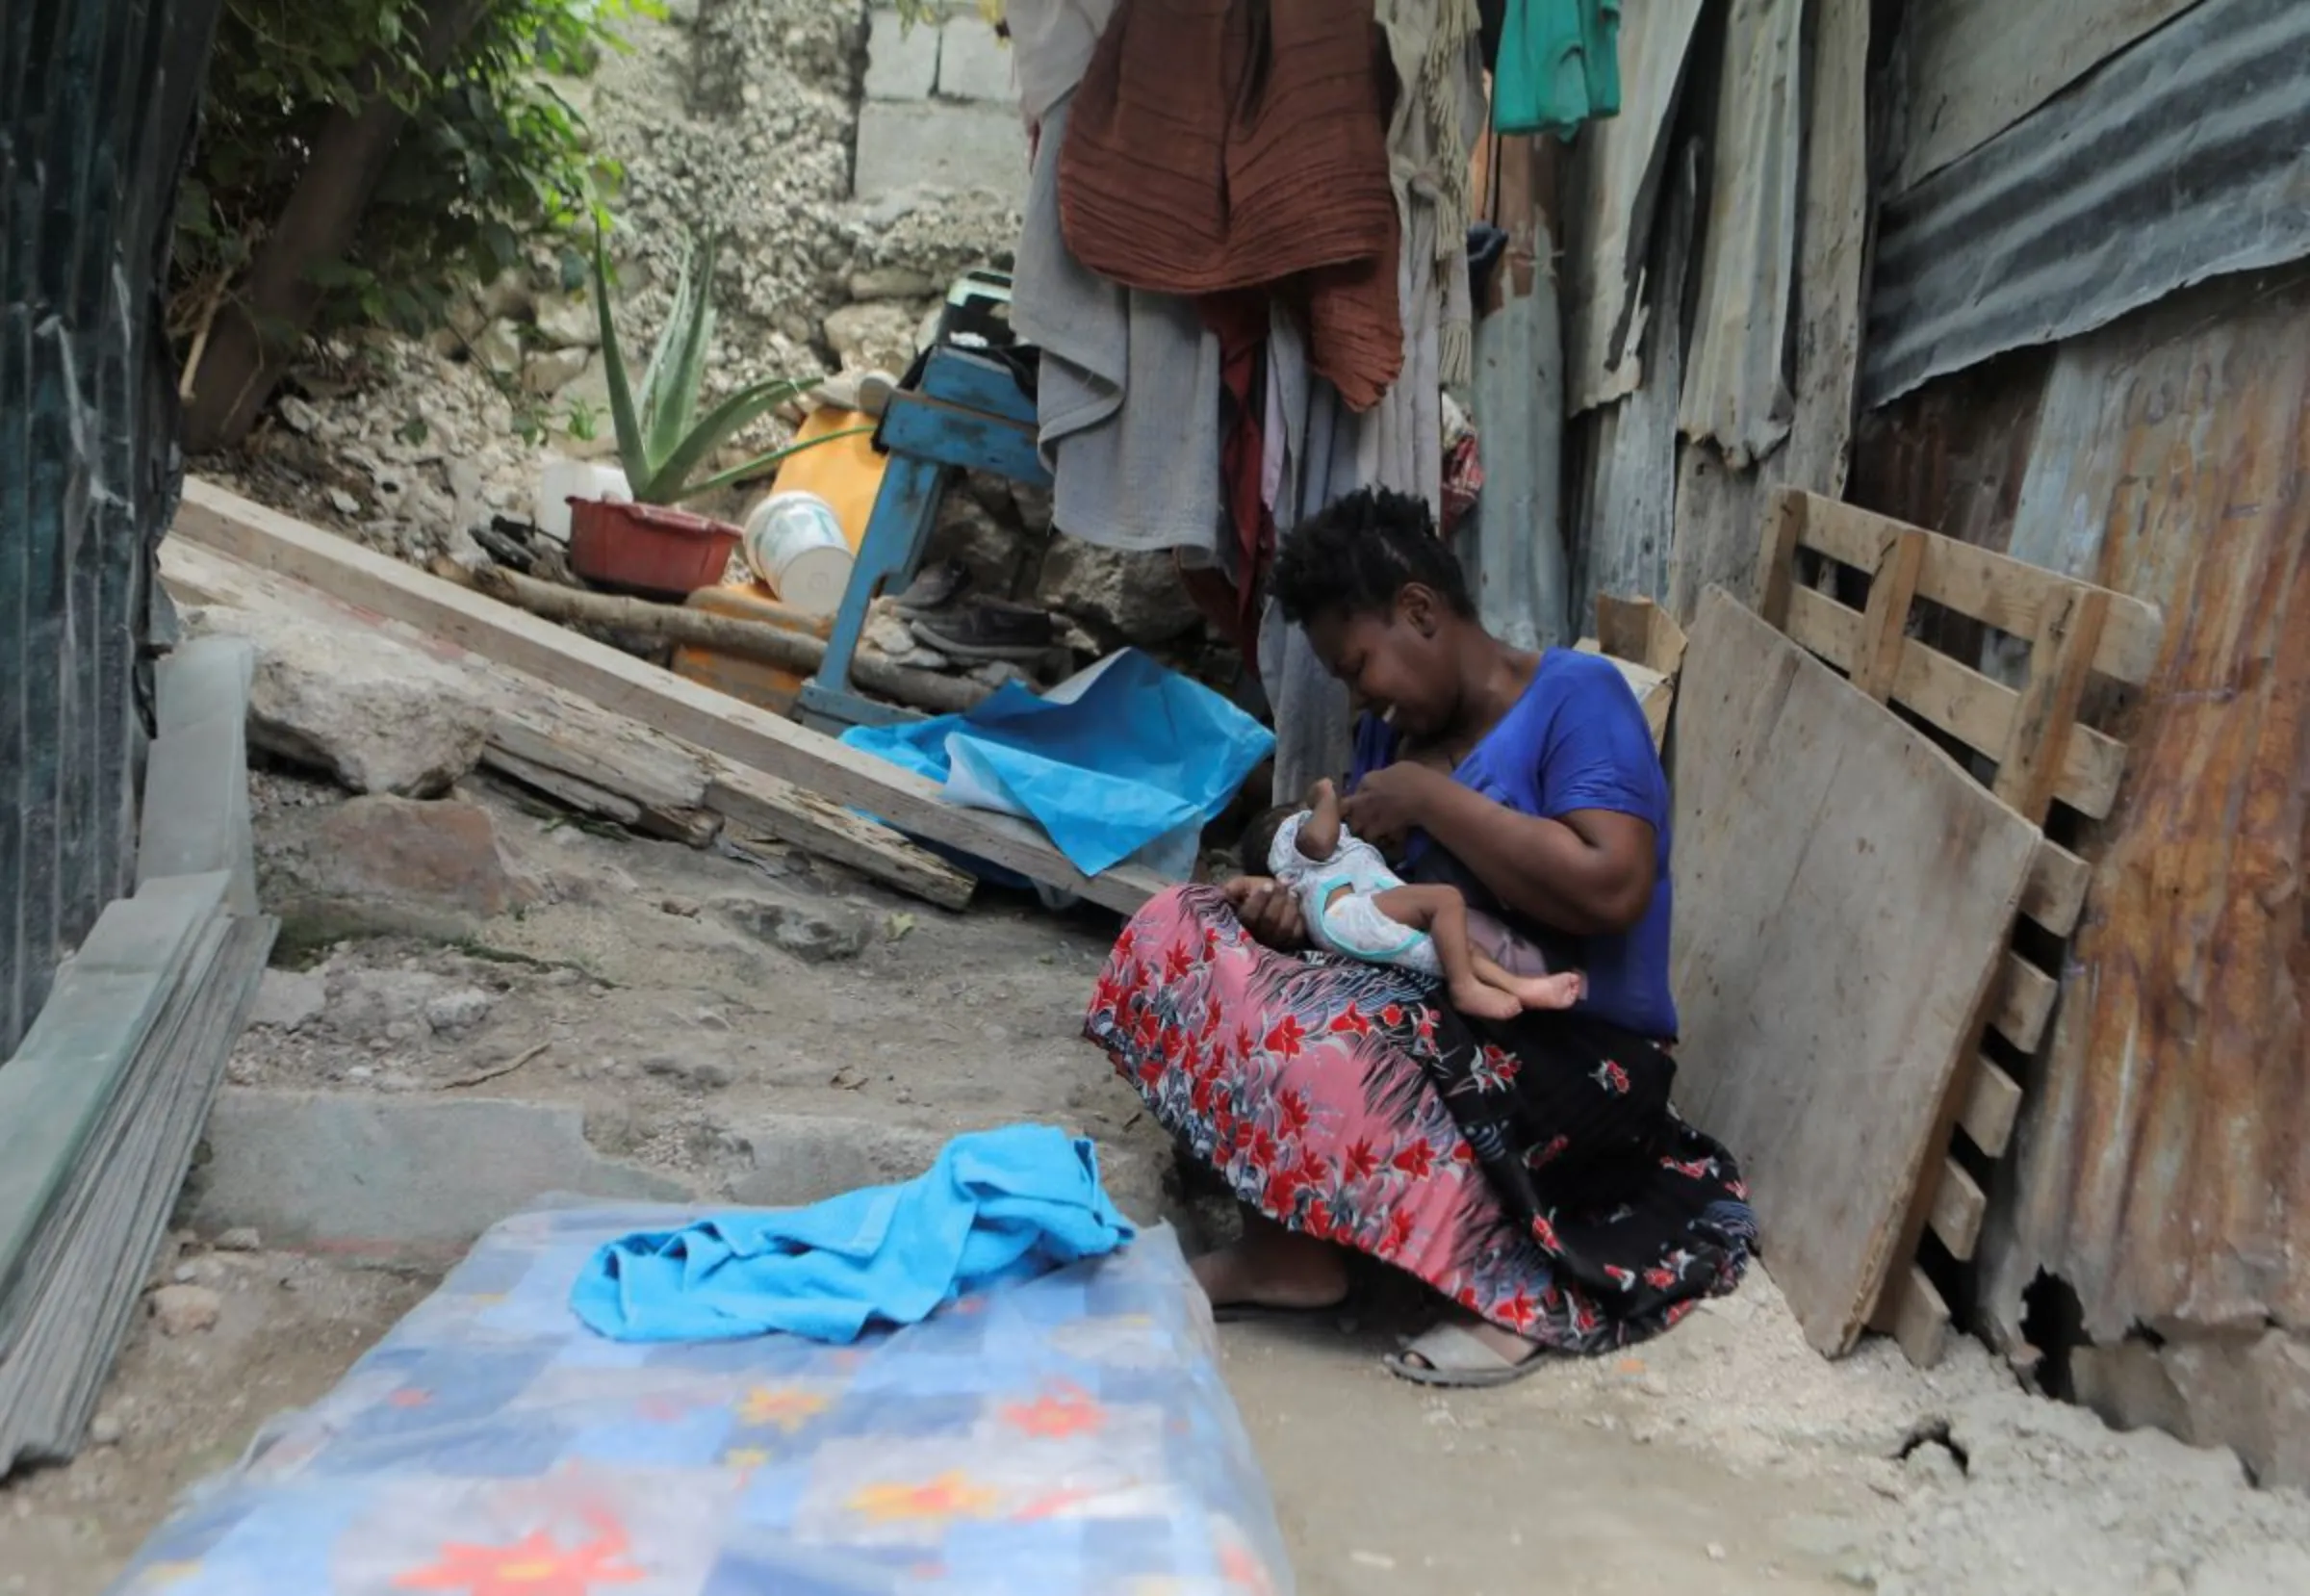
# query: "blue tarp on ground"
1126 760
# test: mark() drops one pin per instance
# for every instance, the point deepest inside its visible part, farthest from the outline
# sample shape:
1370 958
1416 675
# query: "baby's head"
1258 842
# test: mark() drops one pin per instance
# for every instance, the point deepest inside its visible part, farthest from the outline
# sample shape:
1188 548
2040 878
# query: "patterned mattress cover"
1071 1434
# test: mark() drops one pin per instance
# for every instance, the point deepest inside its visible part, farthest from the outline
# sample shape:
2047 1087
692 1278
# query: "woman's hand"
1269 910
1391 803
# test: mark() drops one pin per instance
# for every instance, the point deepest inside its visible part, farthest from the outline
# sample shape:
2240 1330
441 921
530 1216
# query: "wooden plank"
586 756
2009 594
1844 893
771 807
2022 1002
1777 571
1884 625
1641 630
603 765
1957 1205
2045 718
1832 237
1961 701
1992 1103
712 721
1917 1318
2056 894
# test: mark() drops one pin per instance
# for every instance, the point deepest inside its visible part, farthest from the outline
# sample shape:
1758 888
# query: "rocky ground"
714 1026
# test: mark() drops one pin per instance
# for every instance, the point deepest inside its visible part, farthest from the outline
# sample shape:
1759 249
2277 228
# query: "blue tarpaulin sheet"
1126 759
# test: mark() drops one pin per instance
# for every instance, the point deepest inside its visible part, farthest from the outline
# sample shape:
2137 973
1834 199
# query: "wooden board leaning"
1844 893
2027 744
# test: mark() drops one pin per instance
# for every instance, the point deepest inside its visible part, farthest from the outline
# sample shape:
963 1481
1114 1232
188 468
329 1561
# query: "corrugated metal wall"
96 103
2158 1172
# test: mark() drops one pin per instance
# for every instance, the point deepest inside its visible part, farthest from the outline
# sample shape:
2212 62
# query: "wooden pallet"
2031 746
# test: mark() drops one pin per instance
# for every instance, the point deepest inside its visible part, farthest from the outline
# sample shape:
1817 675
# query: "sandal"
987 629
1451 1357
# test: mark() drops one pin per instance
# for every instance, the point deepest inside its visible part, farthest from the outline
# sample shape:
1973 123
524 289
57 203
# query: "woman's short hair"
1355 555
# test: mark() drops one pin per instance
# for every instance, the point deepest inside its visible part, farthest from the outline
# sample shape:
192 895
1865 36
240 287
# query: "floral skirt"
1532 1171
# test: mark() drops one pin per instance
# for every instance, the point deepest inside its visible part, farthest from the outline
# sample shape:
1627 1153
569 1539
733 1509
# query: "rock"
456 1011
550 372
1121 597
508 294
871 337
298 416
377 716
185 1310
987 540
891 282
386 1004
106 1430
240 1239
815 936
567 321
289 1000
890 634
385 866
499 348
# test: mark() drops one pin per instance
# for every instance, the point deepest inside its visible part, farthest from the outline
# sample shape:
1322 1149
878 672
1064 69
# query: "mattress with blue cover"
1066 1434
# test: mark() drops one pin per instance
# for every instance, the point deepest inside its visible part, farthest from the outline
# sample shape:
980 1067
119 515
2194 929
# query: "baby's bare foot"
1550 991
1478 1001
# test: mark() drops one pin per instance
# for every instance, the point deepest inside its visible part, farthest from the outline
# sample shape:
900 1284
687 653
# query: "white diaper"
1353 924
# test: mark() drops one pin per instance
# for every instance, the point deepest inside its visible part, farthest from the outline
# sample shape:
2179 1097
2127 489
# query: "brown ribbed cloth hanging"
1218 144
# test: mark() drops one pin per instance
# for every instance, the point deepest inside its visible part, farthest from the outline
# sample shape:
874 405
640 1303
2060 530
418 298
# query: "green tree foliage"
491 160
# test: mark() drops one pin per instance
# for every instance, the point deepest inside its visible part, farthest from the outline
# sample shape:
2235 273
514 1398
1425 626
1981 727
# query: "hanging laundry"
1128 397
1218 144
1558 65
1436 48
1051 43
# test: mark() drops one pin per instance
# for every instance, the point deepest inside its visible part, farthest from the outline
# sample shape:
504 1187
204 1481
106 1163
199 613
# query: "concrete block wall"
940 114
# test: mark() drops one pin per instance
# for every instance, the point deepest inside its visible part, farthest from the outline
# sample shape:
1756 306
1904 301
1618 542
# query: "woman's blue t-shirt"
1576 740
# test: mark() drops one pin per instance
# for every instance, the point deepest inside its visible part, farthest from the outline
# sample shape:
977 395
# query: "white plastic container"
562 481
795 543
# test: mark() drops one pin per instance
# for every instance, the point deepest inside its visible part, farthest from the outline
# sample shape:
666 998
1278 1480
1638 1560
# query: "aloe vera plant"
663 443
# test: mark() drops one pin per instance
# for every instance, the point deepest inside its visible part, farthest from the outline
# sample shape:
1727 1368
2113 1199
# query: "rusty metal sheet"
2161 1170
1736 391
1613 186
1972 68
2184 158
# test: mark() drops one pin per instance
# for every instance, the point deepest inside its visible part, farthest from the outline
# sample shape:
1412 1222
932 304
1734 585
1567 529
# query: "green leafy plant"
663 442
360 160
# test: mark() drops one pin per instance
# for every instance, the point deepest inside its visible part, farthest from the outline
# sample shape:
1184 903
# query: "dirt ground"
662 992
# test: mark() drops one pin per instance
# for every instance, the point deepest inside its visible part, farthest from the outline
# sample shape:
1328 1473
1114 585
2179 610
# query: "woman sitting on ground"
1529 1169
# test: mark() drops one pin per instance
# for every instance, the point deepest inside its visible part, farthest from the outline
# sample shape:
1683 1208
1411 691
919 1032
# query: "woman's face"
1394 663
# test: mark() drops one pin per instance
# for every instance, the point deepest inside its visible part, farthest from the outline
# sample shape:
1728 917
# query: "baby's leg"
1442 913
1319 831
1554 991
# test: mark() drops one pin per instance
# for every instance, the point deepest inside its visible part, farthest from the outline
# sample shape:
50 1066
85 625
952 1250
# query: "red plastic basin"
648 548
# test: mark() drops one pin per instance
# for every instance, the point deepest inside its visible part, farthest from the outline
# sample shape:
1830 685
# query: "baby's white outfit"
1352 925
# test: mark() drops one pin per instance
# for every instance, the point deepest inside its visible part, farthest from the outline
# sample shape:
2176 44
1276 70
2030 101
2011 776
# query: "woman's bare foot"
1548 992
1272 1267
1478 1001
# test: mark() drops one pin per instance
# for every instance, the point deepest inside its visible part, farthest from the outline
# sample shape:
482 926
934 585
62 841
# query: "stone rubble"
750 117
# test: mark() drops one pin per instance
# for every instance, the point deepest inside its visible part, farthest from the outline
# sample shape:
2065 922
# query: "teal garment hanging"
1558 65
